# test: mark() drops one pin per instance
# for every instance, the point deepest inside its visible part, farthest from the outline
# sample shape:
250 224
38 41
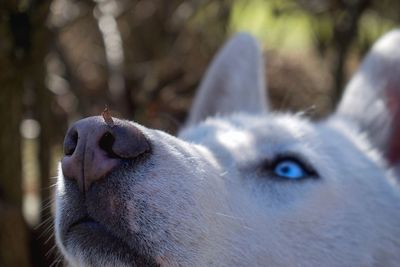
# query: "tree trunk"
13 231
23 49
42 241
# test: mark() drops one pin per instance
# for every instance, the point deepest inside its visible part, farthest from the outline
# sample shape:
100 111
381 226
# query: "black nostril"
70 143
106 143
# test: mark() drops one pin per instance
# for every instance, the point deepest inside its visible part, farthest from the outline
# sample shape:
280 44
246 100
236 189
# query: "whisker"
47 220
59 260
47 204
50 186
237 219
51 250
49 238
308 111
228 216
223 173
48 230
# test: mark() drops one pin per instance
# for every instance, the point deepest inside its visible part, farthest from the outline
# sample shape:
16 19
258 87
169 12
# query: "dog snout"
93 148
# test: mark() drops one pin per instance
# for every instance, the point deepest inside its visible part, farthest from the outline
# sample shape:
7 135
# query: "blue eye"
289 169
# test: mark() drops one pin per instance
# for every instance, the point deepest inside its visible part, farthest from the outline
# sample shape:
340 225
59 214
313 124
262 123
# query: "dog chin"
89 243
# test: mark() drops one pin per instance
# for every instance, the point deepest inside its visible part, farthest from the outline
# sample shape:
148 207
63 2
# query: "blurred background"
61 60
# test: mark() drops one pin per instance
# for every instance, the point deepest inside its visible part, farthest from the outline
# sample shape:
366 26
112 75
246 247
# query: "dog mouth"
89 226
87 236
86 221
88 229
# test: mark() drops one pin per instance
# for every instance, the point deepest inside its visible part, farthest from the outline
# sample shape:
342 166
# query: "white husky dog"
240 185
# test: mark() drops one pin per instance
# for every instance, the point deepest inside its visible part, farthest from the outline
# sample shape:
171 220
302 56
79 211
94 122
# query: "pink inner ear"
393 102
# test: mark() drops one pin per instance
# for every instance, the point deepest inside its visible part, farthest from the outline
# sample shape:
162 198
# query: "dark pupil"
285 169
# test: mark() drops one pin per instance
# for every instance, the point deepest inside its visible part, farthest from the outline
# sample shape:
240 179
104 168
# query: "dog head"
241 184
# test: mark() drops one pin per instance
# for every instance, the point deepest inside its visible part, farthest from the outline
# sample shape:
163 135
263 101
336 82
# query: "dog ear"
235 81
372 97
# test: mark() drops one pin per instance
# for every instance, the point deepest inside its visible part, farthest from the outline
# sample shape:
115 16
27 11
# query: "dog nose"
93 148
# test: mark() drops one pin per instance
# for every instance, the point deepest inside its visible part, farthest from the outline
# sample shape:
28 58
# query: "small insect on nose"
94 146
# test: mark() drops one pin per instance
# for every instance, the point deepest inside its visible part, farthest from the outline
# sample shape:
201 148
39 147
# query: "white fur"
365 98
210 202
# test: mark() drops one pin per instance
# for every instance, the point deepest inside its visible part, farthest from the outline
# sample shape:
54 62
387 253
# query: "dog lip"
87 223
86 219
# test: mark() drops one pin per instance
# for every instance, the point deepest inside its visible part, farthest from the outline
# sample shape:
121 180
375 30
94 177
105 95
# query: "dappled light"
62 60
